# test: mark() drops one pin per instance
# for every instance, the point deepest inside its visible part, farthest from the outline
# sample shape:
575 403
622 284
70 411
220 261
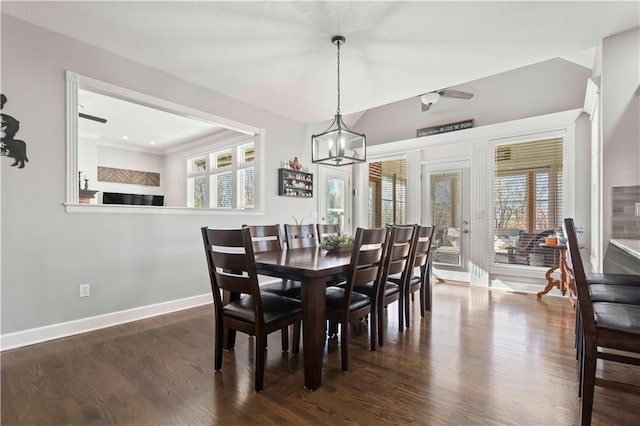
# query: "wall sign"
445 128
9 146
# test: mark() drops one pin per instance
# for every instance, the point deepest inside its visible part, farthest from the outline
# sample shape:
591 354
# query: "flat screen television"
132 199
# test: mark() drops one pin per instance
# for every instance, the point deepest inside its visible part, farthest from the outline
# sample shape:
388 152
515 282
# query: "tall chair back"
300 236
327 230
422 259
265 237
343 303
605 325
232 268
232 265
397 261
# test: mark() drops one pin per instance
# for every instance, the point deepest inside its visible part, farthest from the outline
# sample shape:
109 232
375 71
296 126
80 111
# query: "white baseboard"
56 331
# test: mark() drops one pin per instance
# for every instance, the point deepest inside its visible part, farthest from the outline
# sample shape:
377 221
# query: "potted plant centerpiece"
337 243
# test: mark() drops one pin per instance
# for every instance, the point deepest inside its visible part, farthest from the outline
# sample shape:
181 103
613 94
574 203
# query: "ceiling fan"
431 98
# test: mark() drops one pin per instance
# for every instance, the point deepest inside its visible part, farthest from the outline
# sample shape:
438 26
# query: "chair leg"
407 310
428 291
285 338
333 328
296 338
381 323
373 324
229 339
401 302
423 302
261 350
219 337
344 344
588 385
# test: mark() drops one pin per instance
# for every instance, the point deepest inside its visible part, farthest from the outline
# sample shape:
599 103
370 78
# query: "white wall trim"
56 331
127 209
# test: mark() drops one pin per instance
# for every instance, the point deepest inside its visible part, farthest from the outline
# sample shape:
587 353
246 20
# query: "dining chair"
396 271
343 304
327 230
604 326
300 236
232 268
421 258
267 238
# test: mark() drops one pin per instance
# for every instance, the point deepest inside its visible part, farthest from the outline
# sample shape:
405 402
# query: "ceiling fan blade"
425 107
448 93
92 117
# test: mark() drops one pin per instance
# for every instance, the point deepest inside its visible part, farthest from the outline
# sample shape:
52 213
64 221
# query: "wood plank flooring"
480 357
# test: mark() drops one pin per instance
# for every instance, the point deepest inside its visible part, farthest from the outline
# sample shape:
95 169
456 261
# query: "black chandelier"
338 145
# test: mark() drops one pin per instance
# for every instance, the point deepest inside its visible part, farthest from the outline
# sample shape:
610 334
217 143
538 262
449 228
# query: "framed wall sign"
444 128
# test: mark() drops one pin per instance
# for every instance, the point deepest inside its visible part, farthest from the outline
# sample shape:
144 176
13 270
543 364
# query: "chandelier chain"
338 109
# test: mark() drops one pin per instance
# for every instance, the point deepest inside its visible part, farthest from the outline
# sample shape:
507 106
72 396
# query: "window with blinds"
387 196
527 200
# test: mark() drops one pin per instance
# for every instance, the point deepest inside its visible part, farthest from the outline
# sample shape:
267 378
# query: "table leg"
313 323
566 277
550 281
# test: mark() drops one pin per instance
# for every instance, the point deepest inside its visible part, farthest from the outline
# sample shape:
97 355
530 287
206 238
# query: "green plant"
336 241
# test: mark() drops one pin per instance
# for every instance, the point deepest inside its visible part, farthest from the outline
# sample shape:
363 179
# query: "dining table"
314 268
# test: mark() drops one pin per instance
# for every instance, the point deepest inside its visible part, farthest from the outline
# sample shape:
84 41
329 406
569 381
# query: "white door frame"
456 273
325 172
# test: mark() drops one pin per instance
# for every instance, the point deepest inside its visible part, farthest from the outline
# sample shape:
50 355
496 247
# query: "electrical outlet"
84 290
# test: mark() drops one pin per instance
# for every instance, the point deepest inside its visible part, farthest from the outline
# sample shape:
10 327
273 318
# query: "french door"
334 200
446 205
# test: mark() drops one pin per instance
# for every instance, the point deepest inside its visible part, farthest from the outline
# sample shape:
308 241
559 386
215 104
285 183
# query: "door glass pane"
446 202
335 201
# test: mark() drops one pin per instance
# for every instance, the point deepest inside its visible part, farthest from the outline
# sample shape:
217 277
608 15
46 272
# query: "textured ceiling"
278 55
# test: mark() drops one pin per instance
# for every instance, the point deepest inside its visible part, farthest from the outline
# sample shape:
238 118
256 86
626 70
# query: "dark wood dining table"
313 267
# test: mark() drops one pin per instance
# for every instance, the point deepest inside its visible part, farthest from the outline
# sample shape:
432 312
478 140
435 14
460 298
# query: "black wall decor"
9 146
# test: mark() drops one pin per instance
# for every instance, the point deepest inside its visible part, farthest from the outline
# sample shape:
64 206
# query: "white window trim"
237 165
75 81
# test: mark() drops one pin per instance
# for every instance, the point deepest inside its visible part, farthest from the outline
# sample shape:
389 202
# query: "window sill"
123 209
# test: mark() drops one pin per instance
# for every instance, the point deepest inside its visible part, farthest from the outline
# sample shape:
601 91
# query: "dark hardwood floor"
480 357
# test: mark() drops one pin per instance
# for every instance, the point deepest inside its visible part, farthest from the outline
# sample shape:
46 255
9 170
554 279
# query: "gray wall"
130 260
620 101
539 89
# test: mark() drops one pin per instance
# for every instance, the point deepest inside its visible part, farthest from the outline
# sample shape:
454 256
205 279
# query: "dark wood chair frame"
268 238
232 269
326 230
366 262
421 283
299 236
600 330
401 247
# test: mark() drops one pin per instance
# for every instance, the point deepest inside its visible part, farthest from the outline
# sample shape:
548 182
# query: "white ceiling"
278 55
128 124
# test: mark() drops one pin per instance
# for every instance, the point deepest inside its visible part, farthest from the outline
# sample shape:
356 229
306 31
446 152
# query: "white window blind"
527 200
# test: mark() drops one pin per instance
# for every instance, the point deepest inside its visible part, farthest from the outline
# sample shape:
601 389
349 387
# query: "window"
387 193
224 178
527 200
